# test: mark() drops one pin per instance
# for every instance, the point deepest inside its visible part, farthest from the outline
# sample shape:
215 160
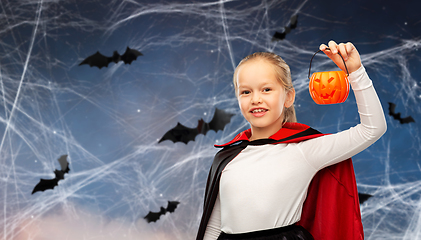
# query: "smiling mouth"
327 96
259 110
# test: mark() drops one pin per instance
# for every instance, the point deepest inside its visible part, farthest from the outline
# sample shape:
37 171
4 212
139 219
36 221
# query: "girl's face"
261 97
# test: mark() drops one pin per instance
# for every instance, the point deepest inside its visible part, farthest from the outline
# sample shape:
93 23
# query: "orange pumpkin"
329 87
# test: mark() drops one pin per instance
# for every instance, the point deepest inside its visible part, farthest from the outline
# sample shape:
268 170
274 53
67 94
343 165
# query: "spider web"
109 120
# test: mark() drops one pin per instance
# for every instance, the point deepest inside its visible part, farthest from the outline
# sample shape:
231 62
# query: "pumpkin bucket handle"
309 69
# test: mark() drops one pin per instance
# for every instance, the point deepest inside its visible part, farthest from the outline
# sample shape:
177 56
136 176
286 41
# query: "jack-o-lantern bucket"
329 87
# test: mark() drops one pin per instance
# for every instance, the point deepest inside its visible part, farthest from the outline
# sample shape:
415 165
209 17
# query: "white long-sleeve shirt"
265 186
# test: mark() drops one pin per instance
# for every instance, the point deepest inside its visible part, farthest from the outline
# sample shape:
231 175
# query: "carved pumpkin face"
329 87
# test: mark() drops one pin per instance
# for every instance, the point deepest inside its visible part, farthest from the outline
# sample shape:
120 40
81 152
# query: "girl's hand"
348 52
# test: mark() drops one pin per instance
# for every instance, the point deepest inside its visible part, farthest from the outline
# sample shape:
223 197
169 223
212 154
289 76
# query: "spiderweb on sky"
109 120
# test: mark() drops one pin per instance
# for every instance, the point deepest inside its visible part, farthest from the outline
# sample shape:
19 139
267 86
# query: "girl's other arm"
214 225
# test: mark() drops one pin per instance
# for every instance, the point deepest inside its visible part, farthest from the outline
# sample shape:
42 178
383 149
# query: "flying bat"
181 133
397 116
287 29
99 60
45 184
363 197
154 216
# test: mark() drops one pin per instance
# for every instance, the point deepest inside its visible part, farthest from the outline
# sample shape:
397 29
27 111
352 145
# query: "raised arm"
330 149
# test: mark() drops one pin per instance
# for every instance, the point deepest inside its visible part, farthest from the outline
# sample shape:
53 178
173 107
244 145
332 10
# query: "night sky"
109 120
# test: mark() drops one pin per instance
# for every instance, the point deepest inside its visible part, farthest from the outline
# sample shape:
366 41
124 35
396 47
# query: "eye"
267 90
330 79
245 92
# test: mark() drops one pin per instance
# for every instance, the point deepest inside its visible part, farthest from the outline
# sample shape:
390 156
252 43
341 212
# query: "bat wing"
279 36
406 120
64 163
154 216
45 184
293 21
97 60
220 120
180 133
392 107
363 197
396 116
172 205
130 55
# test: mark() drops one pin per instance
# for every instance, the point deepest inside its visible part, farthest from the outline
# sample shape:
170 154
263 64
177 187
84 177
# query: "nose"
256 99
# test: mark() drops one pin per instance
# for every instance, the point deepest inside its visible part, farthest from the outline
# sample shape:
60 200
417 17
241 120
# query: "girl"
259 182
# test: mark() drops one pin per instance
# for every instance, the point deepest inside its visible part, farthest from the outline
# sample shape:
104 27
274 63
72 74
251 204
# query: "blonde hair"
283 75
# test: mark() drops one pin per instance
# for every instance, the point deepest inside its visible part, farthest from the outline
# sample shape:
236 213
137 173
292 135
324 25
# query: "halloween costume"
263 184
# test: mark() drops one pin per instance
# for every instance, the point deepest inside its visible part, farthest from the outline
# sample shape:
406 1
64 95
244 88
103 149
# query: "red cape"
331 210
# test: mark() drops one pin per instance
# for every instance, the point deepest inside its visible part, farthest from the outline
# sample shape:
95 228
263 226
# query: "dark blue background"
109 120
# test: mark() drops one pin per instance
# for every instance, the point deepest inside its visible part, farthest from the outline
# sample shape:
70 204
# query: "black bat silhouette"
397 116
181 133
363 197
99 60
287 29
45 184
154 216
